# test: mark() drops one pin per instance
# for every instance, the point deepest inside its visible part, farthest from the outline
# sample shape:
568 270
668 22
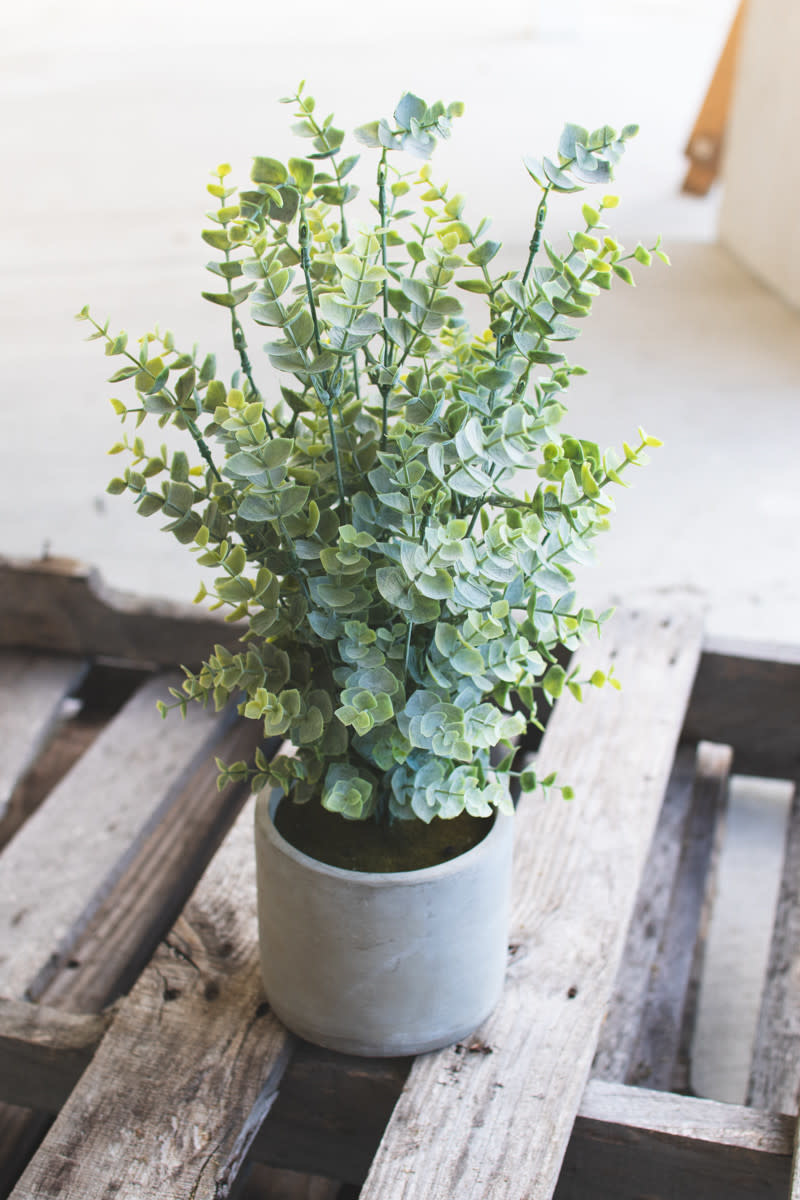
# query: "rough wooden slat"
775 1066
56 871
496 1122
632 1144
43 1052
620 1030
148 897
32 691
747 695
59 604
168 1106
665 1013
132 918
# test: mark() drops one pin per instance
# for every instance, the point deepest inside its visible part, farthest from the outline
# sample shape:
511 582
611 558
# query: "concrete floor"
112 116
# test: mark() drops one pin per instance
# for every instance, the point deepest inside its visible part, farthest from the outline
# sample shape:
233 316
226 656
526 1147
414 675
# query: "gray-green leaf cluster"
354 486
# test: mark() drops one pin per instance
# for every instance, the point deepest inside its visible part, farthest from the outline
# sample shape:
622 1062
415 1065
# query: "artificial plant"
403 599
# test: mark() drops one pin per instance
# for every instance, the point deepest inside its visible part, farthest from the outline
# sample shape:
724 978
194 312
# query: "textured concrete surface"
112 117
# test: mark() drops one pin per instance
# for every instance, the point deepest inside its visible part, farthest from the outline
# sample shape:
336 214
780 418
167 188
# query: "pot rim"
269 800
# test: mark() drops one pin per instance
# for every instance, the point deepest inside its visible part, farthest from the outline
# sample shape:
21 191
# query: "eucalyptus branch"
240 346
200 442
384 388
305 263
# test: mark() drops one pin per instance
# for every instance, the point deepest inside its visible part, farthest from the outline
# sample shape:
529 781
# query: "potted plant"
404 600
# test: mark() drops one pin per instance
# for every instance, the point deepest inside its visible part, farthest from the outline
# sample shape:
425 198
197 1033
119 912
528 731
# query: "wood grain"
667 1014
747 695
56 871
32 691
633 1144
168 1107
62 605
147 898
616 1047
495 1120
775 1065
43 1052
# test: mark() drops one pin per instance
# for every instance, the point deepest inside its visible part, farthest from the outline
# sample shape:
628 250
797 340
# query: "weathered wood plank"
774 1082
619 1033
198 1050
497 1122
629 1144
132 919
32 691
59 604
747 695
665 1013
43 1052
56 871
148 897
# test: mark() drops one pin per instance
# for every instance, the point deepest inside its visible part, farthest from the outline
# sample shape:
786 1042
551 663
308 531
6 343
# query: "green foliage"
403 603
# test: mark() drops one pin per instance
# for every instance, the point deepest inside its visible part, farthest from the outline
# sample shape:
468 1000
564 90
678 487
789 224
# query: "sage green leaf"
302 172
623 273
536 170
468 661
334 310
480 287
554 680
558 178
437 585
483 254
217 238
268 170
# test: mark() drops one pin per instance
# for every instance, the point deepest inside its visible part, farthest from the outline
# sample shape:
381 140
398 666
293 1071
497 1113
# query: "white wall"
760 213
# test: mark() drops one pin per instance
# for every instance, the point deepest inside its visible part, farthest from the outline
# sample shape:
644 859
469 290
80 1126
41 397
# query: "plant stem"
541 217
305 262
240 346
384 389
336 458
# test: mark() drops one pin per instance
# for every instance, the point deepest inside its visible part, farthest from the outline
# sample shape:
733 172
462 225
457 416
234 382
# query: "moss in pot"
403 598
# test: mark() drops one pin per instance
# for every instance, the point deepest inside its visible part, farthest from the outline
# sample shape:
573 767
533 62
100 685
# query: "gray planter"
382 964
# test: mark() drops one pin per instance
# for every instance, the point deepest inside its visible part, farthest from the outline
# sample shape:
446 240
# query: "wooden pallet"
138 1054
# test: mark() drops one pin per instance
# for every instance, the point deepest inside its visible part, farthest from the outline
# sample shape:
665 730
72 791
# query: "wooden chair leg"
704 148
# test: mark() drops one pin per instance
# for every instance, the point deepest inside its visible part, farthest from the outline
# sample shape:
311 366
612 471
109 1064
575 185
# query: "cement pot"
382 964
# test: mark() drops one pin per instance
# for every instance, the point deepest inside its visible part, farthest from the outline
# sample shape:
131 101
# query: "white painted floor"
112 116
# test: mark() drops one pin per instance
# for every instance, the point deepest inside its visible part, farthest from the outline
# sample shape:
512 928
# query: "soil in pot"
370 846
